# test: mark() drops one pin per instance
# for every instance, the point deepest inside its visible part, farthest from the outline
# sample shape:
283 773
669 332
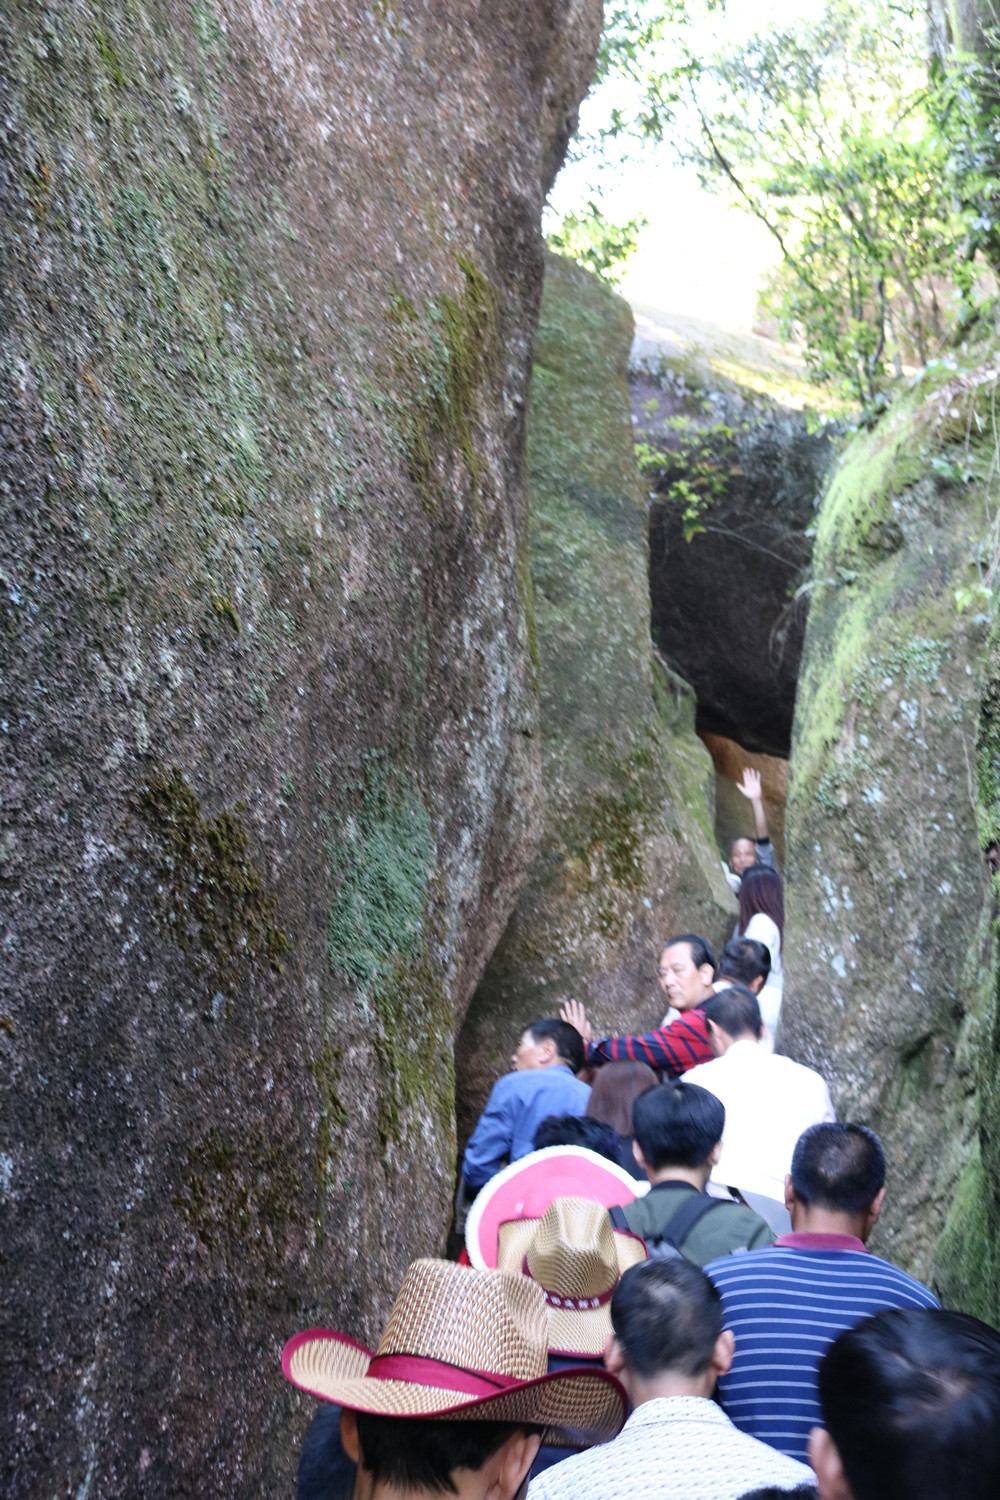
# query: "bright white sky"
698 256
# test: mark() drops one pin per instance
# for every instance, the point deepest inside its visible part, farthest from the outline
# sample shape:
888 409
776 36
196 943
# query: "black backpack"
667 1244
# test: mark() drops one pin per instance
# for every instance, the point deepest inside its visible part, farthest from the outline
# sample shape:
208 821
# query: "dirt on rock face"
268 725
627 853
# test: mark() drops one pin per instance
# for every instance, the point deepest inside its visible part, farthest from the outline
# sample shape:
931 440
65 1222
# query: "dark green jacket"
725 1227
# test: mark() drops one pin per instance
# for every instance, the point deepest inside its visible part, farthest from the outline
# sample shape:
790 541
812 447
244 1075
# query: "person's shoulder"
702 1073
506 1085
567 1479
908 1287
801 1072
744 1267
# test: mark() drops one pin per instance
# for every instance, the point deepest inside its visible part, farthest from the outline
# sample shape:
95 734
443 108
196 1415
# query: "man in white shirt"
769 1101
668 1350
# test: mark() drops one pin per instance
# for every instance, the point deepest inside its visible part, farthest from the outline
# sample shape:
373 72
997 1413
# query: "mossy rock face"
268 711
889 969
627 853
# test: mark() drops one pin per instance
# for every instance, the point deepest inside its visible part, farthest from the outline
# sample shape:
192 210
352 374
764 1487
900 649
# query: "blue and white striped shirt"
786 1304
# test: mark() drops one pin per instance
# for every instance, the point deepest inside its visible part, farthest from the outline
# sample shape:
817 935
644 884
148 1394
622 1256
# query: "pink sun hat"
525 1189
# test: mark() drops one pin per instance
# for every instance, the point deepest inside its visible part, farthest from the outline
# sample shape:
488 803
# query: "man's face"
681 981
742 855
530 1054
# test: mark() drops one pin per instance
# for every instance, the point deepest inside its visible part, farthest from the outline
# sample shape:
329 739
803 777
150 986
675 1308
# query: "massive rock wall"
890 963
627 853
268 728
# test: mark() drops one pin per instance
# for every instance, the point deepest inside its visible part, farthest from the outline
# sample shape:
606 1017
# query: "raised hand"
574 1012
750 785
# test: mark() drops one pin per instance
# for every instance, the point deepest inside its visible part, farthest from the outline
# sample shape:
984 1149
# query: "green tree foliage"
592 240
872 163
842 139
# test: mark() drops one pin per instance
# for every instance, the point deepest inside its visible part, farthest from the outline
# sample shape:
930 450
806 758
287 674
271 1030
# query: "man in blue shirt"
786 1304
548 1057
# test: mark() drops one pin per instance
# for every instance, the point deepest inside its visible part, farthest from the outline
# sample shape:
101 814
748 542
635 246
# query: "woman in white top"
762 916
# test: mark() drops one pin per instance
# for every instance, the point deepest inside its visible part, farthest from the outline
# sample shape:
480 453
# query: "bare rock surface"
269 277
627 853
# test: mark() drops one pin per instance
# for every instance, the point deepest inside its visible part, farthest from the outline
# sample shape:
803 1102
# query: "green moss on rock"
215 903
889 952
381 858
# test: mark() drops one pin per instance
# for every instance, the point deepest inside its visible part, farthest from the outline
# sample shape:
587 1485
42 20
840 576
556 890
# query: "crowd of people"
665 1291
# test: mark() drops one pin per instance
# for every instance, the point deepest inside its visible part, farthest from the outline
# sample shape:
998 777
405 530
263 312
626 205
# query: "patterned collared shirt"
673 1448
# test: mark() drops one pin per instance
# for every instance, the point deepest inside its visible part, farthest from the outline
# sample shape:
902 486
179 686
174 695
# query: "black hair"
577 1130
838 1166
677 1124
325 1471
911 1399
701 950
745 959
666 1315
803 1492
735 1010
569 1042
420 1453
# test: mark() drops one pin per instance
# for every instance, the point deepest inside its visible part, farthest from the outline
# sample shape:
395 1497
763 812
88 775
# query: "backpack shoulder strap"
618 1219
691 1211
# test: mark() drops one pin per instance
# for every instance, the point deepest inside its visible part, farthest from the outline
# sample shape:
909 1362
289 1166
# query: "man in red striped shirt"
686 972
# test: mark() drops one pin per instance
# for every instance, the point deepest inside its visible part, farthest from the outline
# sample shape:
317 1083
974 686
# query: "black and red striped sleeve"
673 1049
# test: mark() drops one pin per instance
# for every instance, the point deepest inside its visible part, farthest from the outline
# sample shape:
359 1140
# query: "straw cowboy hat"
577 1258
461 1343
525 1189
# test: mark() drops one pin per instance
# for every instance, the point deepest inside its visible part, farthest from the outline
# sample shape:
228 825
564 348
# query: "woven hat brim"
578 1173
578 1408
570 1332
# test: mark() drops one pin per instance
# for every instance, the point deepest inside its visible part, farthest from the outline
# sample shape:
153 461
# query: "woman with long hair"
612 1095
762 916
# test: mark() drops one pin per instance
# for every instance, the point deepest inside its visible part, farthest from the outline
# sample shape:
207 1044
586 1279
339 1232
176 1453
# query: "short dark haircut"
735 1009
677 1124
804 1492
569 1042
911 1399
577 1130
419 1453
666 1315
701 950
745 960
838 1166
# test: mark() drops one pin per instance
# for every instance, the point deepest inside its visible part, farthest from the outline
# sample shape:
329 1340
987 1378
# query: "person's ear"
826 1465
756 985
790 1199
707 974
349 1434
722 1354
508 1468
875 1208
614 1357
714 1154
640 1160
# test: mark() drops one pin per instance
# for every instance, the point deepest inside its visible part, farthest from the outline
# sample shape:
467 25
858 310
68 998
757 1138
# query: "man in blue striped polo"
785 1304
